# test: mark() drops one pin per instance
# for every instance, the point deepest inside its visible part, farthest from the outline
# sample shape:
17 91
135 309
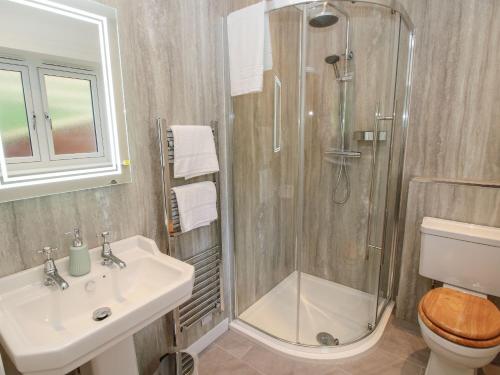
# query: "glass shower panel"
328 247
345 174
385 57
265 157
398 135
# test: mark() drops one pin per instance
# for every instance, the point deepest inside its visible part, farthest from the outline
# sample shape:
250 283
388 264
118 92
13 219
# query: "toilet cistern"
458 323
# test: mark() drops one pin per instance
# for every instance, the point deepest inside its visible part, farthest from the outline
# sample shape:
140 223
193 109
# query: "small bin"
179 363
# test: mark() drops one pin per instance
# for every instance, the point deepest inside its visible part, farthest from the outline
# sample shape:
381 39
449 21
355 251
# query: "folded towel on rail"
250 51
197 204
194 151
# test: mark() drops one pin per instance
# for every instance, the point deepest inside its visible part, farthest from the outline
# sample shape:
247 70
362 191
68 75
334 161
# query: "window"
69 100
16 114
50 117
62 112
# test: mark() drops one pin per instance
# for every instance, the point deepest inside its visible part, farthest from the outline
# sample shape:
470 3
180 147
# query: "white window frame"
113 110
70 73
45 160
31 116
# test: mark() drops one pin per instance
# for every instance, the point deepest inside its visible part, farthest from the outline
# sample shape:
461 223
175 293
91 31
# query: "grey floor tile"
271 363
403 368
375 361
403 339
492 369
235 344
215 361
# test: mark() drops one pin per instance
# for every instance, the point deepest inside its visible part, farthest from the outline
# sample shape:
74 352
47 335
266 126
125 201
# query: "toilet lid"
462 314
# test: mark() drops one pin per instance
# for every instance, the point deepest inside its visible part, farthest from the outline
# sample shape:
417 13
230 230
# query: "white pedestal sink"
47 331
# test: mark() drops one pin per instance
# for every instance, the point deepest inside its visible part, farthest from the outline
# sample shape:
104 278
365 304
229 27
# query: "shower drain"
326 339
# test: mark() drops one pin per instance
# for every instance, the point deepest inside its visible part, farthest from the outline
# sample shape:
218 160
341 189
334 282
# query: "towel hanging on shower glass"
250 52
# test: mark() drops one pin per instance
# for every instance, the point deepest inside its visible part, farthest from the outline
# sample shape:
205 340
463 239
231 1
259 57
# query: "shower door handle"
369 246
277 115
378 117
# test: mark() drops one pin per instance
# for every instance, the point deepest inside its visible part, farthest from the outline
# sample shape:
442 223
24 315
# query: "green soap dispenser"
79 258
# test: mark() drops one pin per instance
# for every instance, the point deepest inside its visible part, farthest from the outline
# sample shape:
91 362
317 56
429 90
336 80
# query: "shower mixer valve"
346 77
349 56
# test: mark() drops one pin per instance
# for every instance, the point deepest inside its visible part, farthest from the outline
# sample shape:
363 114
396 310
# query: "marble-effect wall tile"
454 130
9 251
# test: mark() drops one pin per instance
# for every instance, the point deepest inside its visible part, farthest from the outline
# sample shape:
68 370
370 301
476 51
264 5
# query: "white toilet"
460 326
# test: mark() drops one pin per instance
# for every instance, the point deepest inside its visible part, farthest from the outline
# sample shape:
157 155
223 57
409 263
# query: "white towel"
197 204
268 47
250 52
194 151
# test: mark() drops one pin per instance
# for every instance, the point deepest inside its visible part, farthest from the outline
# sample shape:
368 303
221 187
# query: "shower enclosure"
317 163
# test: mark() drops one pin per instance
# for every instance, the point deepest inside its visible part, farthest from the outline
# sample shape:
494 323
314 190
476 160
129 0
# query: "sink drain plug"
101 313
326 339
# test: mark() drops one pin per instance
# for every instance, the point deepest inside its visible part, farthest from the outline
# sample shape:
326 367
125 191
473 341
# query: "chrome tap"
108 258
50 270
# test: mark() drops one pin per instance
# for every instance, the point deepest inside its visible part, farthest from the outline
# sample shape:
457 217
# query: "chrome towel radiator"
207 289
207 298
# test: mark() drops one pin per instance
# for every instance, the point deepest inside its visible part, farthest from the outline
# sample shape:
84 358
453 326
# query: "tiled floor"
400 351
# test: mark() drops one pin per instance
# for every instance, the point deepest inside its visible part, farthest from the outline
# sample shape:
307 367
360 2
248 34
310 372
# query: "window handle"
33 116
49 119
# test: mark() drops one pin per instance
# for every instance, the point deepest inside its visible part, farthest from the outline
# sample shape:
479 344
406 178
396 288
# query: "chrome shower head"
321 16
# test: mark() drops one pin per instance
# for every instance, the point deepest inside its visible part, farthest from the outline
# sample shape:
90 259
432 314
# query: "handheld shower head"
333 60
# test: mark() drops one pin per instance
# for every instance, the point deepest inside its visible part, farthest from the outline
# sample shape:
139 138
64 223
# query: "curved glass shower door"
265 179
350 70
316 171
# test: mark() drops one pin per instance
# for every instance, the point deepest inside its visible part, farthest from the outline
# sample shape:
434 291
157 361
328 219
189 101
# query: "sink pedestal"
119 359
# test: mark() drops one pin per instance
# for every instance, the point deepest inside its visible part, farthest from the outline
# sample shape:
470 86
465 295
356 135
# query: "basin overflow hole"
90 286
101 313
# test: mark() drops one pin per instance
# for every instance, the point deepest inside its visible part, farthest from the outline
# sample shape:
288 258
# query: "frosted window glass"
72 115
14 126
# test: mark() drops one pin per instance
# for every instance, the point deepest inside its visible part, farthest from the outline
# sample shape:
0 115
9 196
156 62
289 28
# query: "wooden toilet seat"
461 318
